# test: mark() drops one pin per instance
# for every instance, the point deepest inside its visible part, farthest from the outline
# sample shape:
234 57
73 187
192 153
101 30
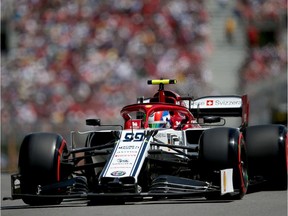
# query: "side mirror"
211 119
93 122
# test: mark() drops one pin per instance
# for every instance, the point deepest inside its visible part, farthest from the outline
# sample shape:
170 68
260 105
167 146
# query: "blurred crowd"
264 59
264 63
80 59
88 58
260 10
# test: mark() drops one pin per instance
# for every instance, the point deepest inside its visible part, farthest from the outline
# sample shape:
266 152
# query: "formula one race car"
168 147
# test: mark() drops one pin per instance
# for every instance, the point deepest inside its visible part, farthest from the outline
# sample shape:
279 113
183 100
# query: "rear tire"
267 154
39 164
222 148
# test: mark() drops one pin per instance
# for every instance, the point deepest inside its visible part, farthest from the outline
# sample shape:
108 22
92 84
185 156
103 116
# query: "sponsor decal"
217 103
128 155
228 103
125 155
209 102
129 147
122 160
226 181
197 104
135 124
118 173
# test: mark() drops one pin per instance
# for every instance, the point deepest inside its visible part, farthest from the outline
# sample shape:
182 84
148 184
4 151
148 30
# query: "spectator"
252 36
230 27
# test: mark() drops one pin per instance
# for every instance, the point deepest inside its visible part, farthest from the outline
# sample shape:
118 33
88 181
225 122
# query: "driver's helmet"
160 119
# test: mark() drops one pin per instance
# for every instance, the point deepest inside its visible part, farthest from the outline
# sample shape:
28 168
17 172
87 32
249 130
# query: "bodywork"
135 160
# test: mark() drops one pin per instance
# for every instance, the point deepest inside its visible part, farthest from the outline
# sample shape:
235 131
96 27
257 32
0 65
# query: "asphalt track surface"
262 203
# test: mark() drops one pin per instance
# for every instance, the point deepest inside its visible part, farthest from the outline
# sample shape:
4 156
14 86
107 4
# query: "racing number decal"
137 137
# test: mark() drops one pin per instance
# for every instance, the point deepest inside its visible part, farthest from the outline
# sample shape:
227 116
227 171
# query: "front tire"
40 164
222 148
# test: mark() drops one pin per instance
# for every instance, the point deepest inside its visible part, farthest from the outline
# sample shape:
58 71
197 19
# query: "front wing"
167 187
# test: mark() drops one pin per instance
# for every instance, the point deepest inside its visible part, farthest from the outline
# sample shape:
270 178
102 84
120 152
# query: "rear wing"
223 106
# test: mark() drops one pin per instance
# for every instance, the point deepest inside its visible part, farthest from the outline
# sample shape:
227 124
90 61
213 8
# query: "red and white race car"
169 146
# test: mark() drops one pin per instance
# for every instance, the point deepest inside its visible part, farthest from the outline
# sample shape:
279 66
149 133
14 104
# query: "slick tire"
39 164
267 154
222 148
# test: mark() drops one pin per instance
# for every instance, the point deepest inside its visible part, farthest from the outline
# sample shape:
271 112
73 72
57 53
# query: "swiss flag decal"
209 103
